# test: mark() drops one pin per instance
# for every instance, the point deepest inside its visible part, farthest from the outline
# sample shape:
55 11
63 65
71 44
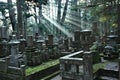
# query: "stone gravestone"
77 39
66 44
13 66
22 44
14 43
3 42
3 32
30 41
85 39
50 40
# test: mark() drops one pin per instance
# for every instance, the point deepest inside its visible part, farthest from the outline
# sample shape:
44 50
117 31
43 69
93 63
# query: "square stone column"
30 41
50 40
87 66
119 67
77 36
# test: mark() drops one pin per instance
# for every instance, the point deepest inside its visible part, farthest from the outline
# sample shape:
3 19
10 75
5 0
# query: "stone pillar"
77 36
36 36
50 39
30 41
3 48
95 28
66 44
22 44
86 41
3 42
62 69
77 39
119 67
70 41
3 32
23 69
87 66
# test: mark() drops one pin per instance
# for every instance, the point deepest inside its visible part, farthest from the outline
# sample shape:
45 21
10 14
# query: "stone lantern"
112 40
110 50
15 58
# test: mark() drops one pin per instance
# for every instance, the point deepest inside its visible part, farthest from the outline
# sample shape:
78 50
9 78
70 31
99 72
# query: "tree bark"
118 20
65 11
35 13
59 11
24 19
12 15
20 19
40 9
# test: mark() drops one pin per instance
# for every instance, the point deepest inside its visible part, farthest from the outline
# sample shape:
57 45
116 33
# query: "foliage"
74 7
105 11
94 47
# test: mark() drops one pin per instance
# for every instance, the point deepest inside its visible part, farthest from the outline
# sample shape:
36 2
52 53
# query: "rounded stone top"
22 38
14 40
40 41
86 30
87 52
112 36
108 47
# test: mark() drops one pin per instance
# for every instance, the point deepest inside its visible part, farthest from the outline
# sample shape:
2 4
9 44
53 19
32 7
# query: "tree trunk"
59 11
118 20
40 9
24 19
65 11
35 13
20 18
12 15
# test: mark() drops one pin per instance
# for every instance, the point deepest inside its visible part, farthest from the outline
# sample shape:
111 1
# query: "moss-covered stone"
32 70
98 66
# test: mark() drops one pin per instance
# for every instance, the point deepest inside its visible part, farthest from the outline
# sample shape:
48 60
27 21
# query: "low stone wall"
10 72
43 73
77 68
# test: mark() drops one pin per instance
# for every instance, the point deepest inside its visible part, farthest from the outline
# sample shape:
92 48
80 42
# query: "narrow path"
58 77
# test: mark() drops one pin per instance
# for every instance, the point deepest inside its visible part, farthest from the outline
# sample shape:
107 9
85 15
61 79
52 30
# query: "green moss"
98 66
32 70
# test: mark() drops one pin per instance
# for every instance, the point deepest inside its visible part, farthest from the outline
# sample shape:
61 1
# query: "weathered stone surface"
3 32
30 41
50 39
13 67
72 67
87 63
3 65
